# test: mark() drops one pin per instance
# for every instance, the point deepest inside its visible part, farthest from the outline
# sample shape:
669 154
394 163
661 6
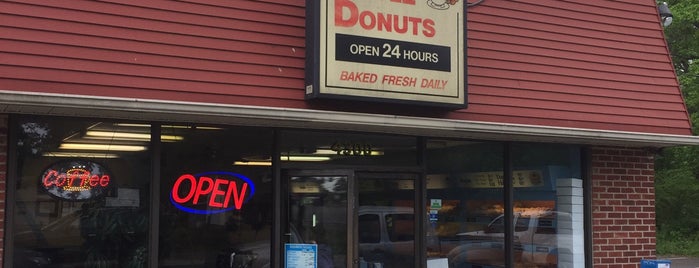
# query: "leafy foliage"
677 169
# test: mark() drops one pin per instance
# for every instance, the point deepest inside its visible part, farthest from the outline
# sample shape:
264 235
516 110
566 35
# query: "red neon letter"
104 181
217 192
340 5
84 178
201 190
49 175
60 180
94 180
237 198
70 178
80 174
176 187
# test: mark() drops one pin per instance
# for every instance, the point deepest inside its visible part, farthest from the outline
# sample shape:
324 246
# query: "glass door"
317 213
386 219
362 219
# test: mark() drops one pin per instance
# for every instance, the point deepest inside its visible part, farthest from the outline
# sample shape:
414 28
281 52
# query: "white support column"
570 229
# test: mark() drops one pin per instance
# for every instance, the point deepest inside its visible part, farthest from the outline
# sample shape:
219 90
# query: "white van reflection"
536 241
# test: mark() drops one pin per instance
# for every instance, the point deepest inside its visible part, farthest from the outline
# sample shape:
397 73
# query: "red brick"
623 179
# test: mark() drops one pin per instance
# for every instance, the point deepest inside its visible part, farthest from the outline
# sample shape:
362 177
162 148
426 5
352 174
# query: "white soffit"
156 110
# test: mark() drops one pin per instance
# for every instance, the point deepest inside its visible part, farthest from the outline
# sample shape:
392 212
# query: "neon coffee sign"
76 180
217 192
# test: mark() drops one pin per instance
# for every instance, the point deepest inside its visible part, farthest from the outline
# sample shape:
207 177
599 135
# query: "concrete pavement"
682 262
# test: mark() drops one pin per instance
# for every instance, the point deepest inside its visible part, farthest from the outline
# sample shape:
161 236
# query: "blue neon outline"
251 186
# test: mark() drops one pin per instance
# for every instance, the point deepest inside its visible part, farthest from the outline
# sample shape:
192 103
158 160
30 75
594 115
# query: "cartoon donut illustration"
445 4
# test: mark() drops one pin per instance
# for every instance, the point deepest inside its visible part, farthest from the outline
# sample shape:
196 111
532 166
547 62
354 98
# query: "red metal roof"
585 64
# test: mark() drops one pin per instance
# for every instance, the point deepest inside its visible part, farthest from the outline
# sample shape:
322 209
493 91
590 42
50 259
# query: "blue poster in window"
301 255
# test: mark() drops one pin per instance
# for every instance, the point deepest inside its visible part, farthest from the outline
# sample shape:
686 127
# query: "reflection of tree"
340 185
34 138
113 236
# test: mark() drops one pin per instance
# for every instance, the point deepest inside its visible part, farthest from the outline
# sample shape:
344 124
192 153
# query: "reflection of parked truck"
386 235
536 238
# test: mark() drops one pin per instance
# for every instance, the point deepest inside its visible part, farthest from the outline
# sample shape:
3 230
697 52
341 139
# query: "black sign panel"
392 53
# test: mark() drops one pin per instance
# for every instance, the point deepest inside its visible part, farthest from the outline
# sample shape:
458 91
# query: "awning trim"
208 113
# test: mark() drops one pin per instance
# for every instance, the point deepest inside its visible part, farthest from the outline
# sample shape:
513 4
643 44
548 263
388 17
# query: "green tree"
677 168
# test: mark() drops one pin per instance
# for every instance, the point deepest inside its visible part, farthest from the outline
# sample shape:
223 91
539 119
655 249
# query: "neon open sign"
217 192
76 180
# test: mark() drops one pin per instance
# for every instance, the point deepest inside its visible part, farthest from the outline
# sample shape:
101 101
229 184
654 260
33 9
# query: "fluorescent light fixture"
252 163
188 127
304 158
101 147
132 125
80 155
268 162
168 126
128 136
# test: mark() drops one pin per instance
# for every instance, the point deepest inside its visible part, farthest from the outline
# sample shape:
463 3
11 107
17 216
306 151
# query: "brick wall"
623 207
3 181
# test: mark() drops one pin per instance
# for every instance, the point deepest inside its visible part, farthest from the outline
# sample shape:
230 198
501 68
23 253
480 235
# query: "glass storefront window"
465 203
81 193
548 200
215 206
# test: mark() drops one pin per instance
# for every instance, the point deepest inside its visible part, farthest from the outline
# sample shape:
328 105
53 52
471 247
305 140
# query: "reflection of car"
49 244
27 258
386 234
537 241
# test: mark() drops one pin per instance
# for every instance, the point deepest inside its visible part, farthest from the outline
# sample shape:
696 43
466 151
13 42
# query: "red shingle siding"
585 64
588 64
623 207
238 52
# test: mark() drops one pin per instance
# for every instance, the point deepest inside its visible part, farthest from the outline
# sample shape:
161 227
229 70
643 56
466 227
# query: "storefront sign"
211 192
76 180
403 51
301 255
494 179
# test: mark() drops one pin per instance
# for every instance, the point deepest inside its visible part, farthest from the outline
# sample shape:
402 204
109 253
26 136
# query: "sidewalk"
682 262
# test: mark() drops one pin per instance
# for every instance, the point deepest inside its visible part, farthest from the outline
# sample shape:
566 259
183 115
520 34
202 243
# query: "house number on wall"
351 148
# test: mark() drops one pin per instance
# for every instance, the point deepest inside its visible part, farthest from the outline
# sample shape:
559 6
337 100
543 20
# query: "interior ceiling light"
168 126
252 163
266 161
304 158
131 125
101 147
192 127
128 136
80 155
